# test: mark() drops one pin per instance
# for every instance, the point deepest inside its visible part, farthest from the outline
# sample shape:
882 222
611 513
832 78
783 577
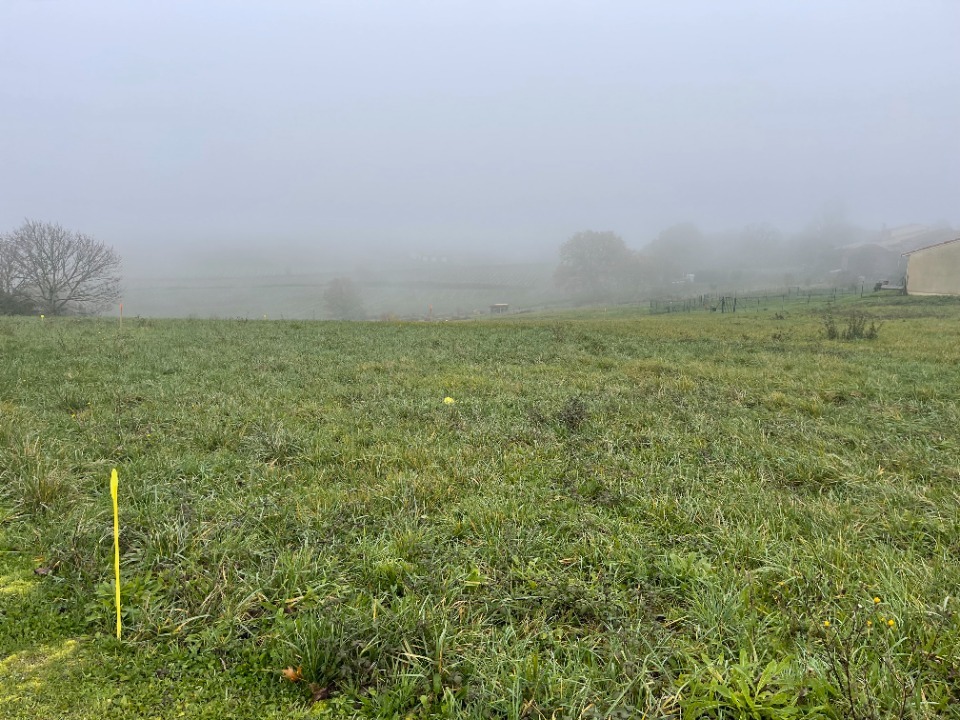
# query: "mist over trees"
676 251
48 269
828 250
596 265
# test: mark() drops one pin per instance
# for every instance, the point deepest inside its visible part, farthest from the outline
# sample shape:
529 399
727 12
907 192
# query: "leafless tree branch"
63 272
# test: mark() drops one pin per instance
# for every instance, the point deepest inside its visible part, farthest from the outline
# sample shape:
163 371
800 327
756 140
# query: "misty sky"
180 127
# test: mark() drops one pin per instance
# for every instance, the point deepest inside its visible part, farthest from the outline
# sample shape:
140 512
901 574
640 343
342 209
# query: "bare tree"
61 271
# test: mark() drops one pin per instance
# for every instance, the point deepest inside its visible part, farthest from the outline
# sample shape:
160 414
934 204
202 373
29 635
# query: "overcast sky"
163 128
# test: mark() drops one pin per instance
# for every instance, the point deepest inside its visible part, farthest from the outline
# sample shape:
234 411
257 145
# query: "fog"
286 137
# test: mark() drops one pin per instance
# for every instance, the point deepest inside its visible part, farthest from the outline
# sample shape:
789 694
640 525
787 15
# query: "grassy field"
694 515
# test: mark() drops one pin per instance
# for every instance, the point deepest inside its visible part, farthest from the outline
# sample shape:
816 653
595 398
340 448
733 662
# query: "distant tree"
13 304
759 244
343 300
594 265
815 247
679 250
59 271
12 300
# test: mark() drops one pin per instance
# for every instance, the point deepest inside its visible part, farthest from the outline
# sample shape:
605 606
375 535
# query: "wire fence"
751 301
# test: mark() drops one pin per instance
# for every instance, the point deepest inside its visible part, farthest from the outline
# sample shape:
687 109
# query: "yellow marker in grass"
114 484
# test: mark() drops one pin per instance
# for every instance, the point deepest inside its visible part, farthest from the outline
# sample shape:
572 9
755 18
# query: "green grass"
621 515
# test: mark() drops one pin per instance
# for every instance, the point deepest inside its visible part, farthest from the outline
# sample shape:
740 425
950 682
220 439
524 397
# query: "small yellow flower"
869 623
891 622
826 623
42 317
876 601
449 401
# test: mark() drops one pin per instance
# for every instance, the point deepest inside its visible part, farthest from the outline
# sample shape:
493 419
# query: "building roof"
905 232
928 247
864 246
910 237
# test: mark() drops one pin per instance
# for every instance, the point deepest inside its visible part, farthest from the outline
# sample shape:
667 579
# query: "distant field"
444 290
713 515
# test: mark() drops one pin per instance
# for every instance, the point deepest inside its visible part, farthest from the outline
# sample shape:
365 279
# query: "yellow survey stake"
114 484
